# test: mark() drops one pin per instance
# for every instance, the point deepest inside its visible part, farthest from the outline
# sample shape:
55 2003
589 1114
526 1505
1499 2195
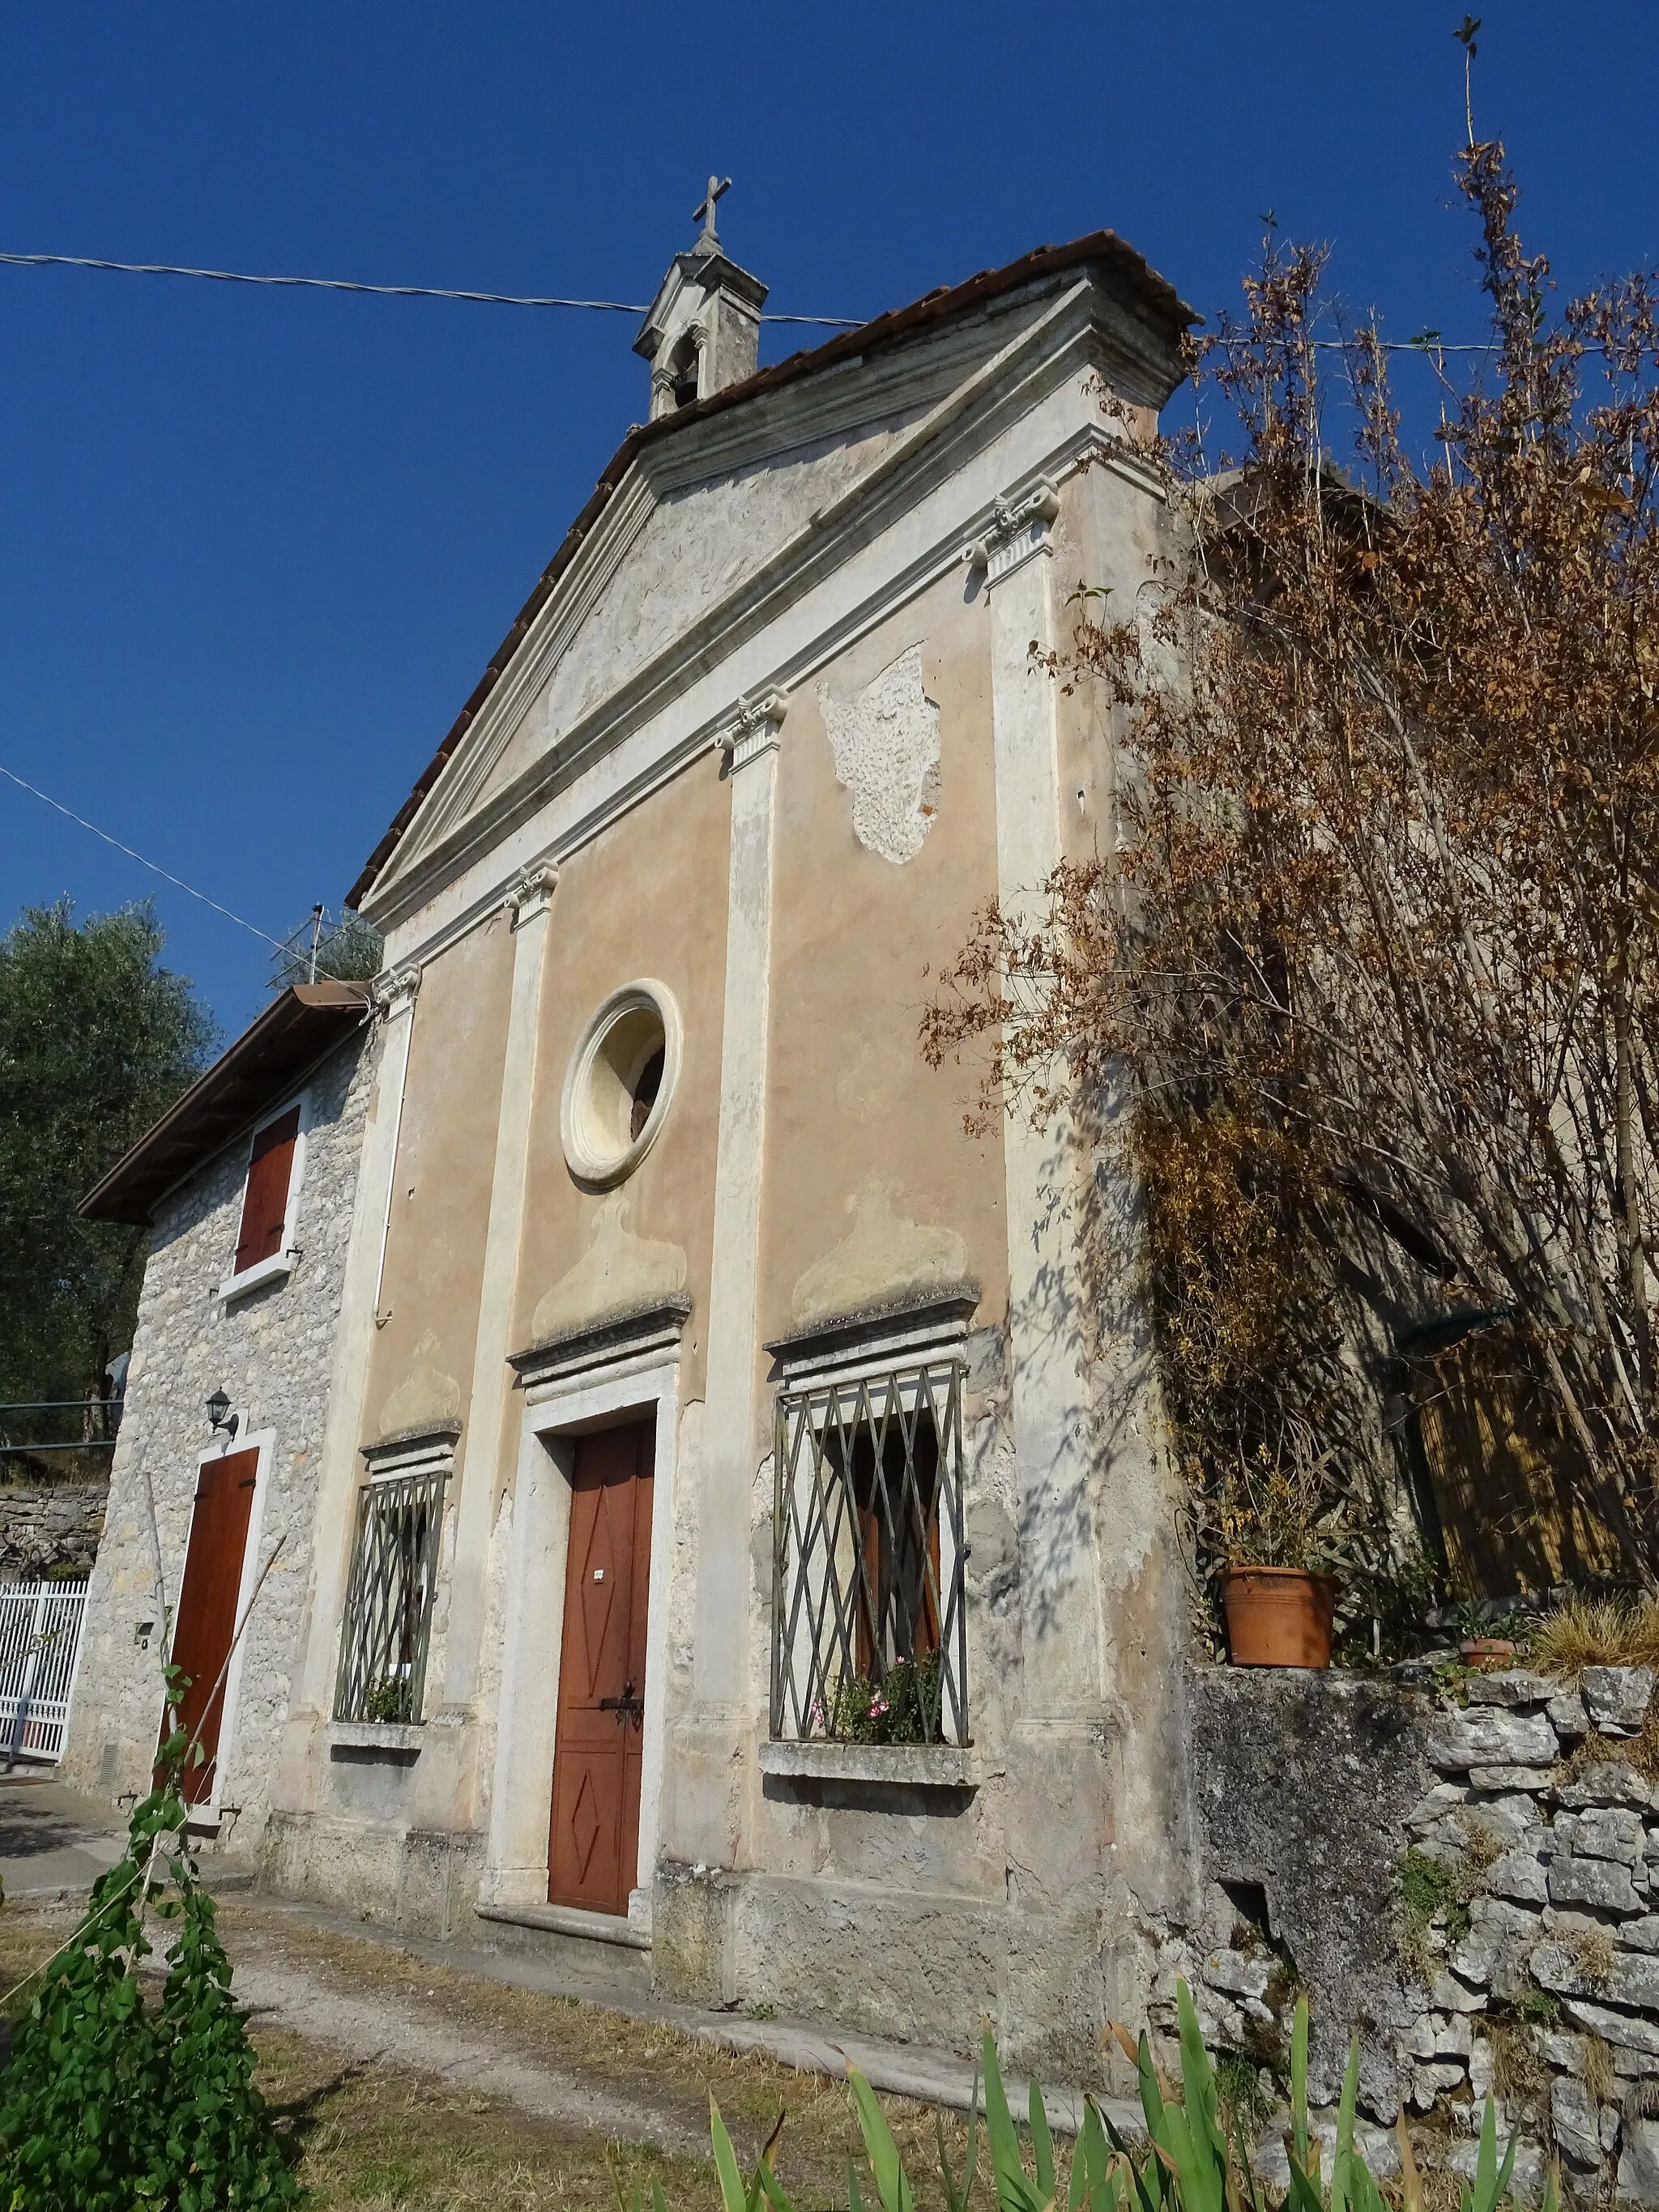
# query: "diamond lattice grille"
388 1612
869 1637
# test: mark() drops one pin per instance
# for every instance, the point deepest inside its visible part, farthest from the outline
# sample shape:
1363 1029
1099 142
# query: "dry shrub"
1482 1845
1600 2079
1518 2072
1597 1633
1593 1949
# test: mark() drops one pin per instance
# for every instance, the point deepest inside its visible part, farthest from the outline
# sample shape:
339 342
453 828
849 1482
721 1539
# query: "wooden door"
593 1845
207 1606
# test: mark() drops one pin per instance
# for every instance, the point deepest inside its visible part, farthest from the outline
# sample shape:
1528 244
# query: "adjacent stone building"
265 1334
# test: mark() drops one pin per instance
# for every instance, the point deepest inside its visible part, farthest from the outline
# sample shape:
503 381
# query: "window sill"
394 1739
900 1765
276 1269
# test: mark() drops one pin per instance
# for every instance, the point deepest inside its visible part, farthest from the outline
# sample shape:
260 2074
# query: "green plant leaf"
892 2184
1299 2085
1043 2146
955 2201
1014 2191
733 2196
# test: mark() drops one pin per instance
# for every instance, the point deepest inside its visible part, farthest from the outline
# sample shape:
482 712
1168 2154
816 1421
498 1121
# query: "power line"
380 291
165 874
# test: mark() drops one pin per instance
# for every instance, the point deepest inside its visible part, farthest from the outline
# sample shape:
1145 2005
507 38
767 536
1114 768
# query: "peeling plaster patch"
618 1273
883 1259
885 741
425 1396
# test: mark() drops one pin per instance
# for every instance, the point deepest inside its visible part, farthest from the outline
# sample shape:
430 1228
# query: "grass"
373 2136
1588 1632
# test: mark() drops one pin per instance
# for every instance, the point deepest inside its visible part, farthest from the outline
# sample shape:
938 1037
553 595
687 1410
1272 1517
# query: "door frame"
261 1441
603 1395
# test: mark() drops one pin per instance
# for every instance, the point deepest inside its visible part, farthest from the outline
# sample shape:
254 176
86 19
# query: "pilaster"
700 1822
529 899
395 994
1059 1666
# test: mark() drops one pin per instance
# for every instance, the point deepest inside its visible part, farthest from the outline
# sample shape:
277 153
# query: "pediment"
702 521
691 546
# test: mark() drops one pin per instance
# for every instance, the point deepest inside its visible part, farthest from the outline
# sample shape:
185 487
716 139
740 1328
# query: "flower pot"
1487 1654
1279 1616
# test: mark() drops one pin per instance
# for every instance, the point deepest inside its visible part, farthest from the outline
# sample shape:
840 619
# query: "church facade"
727 1526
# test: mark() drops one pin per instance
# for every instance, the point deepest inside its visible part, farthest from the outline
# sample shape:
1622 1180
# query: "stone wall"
1522 1820
49 1529
271 1351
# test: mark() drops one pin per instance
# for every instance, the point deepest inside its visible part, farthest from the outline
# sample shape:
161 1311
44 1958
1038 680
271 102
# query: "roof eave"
283 1042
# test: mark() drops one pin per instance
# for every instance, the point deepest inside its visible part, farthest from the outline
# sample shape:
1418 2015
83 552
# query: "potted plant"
1277 1524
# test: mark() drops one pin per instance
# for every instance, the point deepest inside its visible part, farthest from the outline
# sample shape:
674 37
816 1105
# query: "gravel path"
371 2031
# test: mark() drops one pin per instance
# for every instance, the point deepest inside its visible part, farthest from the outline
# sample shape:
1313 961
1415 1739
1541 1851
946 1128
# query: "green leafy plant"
389 1700
899 1705
108 2104
1196 2157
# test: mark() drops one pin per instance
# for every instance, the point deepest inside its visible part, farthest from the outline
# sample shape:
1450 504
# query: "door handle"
626 1707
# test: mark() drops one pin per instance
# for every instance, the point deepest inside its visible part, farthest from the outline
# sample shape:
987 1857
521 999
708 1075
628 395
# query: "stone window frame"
280 1265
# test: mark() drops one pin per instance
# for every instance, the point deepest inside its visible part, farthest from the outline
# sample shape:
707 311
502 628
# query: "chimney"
702 332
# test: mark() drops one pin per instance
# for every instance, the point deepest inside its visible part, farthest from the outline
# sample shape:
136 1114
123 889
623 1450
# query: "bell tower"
702 330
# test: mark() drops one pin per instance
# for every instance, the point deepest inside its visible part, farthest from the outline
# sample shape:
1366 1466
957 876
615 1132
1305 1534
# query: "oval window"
619 1084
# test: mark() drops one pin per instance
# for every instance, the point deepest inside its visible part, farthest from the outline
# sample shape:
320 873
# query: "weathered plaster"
618 1273
690 551
427 1397
885 741
885 1259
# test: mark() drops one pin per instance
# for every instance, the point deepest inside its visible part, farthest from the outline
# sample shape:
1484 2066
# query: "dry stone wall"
49 1529
1468 1880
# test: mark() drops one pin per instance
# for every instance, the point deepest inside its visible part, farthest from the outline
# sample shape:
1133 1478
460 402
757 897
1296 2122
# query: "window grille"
869 1637
388 1611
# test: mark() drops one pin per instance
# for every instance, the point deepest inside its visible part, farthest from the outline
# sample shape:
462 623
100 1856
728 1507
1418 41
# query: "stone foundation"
1531 1966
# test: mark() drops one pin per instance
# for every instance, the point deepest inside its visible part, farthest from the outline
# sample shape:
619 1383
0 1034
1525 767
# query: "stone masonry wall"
49 1528
1520 1817
272 1352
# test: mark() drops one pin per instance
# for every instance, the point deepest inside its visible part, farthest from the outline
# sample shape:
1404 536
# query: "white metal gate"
40 1648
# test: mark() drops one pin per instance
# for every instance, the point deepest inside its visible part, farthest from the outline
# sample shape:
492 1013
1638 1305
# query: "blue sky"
255 548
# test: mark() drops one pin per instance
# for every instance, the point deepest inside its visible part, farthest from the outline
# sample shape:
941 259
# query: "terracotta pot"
1488 1654
1279 1616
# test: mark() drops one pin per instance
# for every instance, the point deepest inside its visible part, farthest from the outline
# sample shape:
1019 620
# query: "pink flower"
878 1707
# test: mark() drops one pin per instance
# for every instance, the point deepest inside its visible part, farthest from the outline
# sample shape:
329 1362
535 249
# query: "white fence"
40 1646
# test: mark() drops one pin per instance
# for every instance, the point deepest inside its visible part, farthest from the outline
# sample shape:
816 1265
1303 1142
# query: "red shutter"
265 1203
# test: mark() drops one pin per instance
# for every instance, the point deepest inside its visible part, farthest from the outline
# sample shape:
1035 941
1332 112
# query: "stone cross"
718 187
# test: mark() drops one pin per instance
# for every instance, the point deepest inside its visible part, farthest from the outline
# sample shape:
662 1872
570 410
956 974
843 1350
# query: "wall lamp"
219 1413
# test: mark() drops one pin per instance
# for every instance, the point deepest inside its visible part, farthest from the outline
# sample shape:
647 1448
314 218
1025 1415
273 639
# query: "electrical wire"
167 874
380 291
1424 345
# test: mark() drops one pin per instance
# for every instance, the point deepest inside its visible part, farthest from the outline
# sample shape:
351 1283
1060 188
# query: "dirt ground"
401 2083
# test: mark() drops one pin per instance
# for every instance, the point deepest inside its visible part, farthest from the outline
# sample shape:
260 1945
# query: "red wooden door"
593 1845
206 1605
